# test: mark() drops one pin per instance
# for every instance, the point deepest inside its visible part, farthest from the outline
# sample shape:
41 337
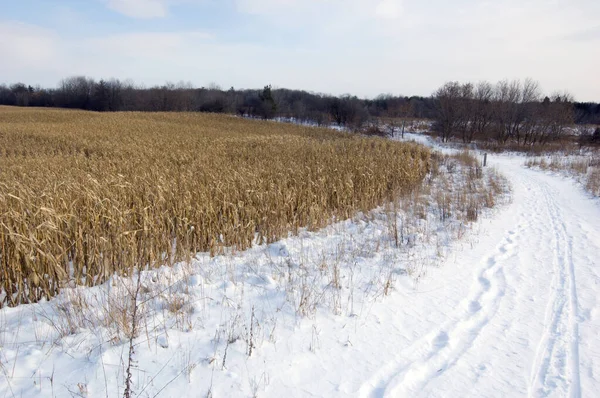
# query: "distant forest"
267 103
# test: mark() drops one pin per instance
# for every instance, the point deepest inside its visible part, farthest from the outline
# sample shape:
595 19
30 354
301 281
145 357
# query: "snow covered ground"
520 312
510 309
583 167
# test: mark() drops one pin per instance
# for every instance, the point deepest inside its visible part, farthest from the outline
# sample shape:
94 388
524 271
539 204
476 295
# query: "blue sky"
363 47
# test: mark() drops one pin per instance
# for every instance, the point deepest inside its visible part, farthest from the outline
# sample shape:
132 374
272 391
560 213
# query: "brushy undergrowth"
585 168
86 195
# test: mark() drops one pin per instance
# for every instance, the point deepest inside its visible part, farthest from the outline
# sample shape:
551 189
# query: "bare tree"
448 109
75 92
508 112
466 110
483 110
560 113
530 105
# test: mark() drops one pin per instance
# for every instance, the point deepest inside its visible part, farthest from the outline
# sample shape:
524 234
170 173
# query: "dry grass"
467 193
569 143
86 195
585 168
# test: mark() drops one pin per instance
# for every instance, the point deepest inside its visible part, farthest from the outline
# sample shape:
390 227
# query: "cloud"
359 46
23 44
42 56
146 45
273 6
336 10
592 34
143 9
389 9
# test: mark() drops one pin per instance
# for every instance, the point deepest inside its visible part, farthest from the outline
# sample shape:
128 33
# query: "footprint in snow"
441 340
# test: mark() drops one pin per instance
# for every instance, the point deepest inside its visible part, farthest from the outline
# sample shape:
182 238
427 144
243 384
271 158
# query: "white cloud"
335 10
143 9
41 56
389 9
22 45
336 46
146 45
274 6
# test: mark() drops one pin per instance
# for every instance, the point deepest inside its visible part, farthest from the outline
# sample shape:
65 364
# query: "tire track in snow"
556 365
541 357
440 349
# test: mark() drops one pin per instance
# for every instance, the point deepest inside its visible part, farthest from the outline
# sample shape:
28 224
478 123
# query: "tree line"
514 111
114 95
507 111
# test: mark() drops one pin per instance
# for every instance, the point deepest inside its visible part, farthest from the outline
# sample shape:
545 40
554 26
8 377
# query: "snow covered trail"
511 311
528 319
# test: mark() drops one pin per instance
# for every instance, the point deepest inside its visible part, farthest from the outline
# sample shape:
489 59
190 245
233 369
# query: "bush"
375 131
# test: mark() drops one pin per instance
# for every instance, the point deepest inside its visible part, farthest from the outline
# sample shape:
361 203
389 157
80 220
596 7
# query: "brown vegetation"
86 195
585 168
510 112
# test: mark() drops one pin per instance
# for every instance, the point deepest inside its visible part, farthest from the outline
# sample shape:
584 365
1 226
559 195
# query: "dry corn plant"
86 195
453 195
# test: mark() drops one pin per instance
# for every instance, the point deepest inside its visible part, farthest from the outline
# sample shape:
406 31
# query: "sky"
360 47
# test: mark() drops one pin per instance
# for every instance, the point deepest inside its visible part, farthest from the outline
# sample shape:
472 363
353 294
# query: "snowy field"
506 308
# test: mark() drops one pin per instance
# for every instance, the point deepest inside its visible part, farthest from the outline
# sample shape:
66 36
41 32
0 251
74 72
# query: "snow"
511 309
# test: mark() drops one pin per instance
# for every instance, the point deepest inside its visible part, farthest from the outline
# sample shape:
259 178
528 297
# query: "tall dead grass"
585 168
86 195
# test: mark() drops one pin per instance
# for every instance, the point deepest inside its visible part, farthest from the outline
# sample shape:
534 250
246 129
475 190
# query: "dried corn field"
86 195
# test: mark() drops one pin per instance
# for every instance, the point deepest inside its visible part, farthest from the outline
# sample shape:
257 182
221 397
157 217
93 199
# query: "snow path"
512 312
528 322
